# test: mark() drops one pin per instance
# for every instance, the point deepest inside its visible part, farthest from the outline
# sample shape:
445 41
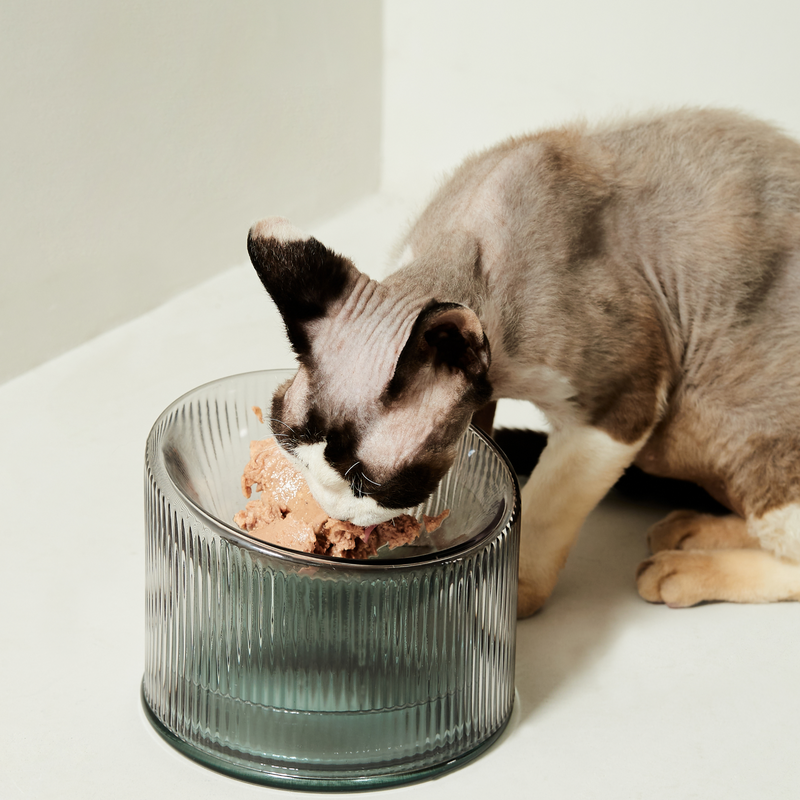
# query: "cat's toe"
647 581
674 531
678 579
692 530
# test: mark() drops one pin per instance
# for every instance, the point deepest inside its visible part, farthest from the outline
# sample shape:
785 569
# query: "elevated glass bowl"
312 672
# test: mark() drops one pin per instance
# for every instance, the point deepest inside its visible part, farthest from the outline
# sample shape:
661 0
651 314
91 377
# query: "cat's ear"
445 337
302 276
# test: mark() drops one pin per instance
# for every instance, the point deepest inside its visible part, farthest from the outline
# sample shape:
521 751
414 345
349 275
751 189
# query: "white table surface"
616 698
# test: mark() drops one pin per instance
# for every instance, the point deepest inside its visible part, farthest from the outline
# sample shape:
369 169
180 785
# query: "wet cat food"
287 515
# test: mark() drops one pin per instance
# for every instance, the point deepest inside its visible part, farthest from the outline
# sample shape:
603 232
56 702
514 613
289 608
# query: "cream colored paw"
537 580
683 578
673 577
691 530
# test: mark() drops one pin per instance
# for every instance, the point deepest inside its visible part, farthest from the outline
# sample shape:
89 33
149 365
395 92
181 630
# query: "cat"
639 282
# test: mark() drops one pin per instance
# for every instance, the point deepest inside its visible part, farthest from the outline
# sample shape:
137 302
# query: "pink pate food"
287 515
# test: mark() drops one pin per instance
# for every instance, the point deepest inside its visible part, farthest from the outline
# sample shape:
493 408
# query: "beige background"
140 140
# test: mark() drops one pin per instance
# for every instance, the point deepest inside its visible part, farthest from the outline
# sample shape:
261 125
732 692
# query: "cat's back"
666 167
705 161
686 139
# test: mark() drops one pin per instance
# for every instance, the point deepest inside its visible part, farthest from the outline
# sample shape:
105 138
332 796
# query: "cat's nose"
278 228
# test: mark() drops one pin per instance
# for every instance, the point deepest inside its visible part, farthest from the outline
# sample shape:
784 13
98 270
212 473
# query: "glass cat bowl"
312 672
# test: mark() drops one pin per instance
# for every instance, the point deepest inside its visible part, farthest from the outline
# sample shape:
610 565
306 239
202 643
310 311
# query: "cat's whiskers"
281 422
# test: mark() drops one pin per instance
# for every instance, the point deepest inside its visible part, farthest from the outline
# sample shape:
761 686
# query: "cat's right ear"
447 340
302 276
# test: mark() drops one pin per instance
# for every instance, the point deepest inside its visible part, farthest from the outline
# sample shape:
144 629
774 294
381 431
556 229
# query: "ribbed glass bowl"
311 672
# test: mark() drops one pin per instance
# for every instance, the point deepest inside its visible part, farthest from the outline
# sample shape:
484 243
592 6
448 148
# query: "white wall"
140 140
461 75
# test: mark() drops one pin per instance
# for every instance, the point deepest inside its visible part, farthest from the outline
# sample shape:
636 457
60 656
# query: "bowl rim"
239 537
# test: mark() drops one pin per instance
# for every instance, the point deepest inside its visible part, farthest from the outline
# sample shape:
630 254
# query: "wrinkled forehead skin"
355 348
341 386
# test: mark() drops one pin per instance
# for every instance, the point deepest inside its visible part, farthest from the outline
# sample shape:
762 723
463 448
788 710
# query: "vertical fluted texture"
280 663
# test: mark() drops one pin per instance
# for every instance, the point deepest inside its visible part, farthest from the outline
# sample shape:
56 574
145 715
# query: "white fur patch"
578 467
278 228
778 531
333 492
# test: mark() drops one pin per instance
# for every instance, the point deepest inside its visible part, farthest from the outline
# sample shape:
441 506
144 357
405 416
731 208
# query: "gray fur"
641 279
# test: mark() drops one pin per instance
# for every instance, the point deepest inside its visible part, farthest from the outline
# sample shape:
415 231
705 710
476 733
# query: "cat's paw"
537 584
691 530
683 578
673 531
678 578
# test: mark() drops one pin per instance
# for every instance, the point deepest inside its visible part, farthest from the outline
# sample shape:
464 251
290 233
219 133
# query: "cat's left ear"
445 336
302 276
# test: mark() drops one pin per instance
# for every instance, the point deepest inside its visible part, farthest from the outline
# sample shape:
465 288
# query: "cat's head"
385 386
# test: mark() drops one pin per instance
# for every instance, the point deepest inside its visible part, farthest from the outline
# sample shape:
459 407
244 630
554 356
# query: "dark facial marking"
342 444
283 432
413 484
309 431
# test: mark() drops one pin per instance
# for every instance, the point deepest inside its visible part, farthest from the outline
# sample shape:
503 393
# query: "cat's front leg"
576 469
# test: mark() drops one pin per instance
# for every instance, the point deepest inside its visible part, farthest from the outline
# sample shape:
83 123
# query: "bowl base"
317 780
